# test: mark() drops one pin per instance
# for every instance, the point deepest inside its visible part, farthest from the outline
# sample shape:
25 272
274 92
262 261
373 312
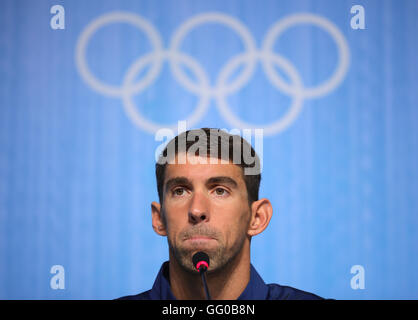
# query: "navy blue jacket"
255 290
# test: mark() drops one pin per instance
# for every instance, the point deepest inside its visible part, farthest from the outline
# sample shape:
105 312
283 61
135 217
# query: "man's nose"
199 209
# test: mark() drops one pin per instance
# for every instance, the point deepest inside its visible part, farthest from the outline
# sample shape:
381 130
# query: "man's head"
207 201
217 144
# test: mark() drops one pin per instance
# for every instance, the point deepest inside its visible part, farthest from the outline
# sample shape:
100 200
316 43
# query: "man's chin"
184 257
196 245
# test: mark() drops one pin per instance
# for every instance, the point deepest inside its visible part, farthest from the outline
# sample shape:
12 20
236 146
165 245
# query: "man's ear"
261 213
157 219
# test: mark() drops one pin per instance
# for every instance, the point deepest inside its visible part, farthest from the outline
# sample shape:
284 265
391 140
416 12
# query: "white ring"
133 112
115 17
214 17
203 88
283 122
344 56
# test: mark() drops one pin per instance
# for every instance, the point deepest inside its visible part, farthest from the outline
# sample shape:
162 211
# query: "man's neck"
227 284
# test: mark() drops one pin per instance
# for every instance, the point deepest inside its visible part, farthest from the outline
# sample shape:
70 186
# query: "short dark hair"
220 143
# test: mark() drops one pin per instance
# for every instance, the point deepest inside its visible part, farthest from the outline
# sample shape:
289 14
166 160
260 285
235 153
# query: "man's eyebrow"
222 180
176 181
213 180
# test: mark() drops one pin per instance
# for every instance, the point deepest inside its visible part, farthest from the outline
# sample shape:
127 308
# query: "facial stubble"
220 255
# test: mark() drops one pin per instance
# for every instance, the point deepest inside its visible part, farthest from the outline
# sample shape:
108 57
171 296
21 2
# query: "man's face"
205 208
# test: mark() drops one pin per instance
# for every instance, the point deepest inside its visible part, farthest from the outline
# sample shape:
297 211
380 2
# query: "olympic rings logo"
201 87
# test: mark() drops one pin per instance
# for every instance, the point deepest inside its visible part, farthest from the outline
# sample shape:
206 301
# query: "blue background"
77 175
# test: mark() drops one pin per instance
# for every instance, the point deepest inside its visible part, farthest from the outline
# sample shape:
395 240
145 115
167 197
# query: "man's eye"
178 191
220 191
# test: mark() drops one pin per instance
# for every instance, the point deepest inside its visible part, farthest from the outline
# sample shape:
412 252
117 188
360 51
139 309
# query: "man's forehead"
203 168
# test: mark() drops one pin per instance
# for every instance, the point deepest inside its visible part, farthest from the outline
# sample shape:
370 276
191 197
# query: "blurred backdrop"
85 86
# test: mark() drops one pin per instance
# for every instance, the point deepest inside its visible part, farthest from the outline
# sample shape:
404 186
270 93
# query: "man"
208 183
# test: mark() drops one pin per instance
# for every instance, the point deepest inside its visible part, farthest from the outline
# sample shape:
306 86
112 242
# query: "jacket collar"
161 290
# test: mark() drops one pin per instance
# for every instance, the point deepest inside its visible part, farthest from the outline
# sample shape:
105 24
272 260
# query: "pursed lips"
198 237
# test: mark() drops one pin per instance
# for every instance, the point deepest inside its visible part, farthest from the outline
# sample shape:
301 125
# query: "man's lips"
200 238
